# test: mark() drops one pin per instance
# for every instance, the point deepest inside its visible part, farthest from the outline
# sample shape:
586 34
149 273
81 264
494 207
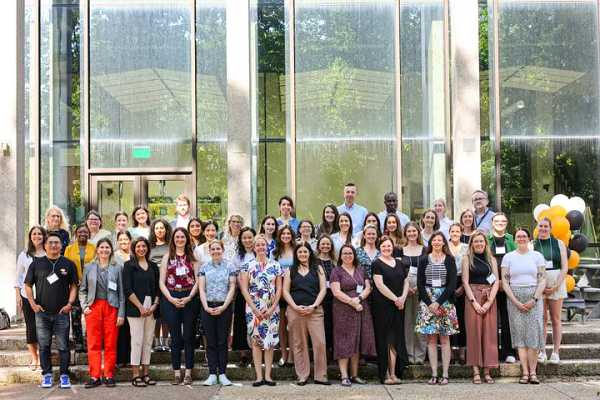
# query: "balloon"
573 261
576 203
557 211
538 209
566 238
544 215
559 200
570 283
579 243
560 226
575 218
535 232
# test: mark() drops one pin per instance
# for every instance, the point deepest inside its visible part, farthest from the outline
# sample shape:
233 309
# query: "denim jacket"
87 290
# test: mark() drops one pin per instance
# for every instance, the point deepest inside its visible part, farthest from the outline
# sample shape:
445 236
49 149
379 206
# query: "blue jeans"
48 325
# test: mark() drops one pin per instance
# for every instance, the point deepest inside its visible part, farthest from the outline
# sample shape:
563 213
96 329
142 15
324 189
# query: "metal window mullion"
84 135
397 105
495 66
291 9
447 109
194 184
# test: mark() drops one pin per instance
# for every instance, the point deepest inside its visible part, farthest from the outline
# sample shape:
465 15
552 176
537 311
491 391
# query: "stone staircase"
580 354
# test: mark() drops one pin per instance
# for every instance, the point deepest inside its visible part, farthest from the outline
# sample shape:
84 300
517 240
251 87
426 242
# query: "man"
390 200
182 206
55 281
483 215
357 212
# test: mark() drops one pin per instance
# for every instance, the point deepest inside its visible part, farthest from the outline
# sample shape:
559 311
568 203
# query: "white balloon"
576 203
538 209
559 200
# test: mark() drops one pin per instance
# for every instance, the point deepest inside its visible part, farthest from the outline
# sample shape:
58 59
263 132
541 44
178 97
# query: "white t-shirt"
523 268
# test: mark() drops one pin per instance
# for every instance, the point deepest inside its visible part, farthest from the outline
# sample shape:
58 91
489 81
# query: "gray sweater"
87 290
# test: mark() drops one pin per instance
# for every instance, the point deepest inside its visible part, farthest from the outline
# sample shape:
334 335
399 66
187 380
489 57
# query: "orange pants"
482 331
102 332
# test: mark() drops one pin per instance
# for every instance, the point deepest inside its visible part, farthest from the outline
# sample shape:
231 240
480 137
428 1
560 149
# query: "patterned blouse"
180 274
364 260
217 279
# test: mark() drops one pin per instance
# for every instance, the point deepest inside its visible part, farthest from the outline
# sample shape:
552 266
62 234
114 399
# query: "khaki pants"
142 334
416 344
300 326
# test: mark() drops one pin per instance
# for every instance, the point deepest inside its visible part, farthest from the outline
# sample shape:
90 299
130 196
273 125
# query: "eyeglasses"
53 243
480 198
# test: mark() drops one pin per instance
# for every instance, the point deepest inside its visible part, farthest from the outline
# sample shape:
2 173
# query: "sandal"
533 379
488 379
524 380
148 381
138 381
444 381
346 382
433 380
477 379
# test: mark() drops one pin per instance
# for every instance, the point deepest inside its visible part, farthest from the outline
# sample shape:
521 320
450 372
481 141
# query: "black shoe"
258 383
326 383
270 383
109 382
300 383
92 383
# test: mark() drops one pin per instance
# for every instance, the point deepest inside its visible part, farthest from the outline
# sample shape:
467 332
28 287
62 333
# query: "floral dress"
261 286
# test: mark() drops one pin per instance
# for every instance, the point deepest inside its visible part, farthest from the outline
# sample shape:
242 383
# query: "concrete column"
12 217
239 127
464 75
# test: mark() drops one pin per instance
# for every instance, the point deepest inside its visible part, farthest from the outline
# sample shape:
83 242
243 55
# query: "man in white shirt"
390 200
182 206
357 212
483 215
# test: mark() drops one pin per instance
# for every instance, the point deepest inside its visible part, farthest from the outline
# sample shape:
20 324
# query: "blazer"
72 253
451 278
87 289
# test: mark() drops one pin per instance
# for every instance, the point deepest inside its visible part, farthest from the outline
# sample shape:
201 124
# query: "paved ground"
581 390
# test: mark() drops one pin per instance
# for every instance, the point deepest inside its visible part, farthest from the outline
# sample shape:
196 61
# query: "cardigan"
450 264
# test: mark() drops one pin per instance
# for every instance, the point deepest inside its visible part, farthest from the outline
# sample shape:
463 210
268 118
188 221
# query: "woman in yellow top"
81 252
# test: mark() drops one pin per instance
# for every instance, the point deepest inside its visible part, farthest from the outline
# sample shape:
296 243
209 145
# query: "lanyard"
482 218
53 264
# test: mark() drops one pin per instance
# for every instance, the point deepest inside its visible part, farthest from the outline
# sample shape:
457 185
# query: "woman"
179 304
103 302
467 222
195 230
411 255
344 235
326 259
480 282
524 281
458 251
201 252
329 221
429 225
370 219
389 296
439 206
284 255
160 239
436 317
122 255
35 248
230 236
352 321
216 283
555 254
286 210
81 252
55 221
502 242
140 284
121 225
306 234
261 287
392 228
93 220
123 252
368 250
141 223
304 290
244 256
268 227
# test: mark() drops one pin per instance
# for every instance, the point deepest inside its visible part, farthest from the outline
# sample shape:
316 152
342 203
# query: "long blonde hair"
64 223
487 254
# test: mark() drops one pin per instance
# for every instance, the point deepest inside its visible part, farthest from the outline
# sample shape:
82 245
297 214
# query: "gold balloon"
544 214
557 211
574 259
560 226
570 283
535 232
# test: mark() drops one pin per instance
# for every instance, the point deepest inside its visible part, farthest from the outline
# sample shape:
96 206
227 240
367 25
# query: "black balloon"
579 243
575 220
568 253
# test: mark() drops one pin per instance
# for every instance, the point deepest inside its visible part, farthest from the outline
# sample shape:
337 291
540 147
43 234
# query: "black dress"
387 319
327 304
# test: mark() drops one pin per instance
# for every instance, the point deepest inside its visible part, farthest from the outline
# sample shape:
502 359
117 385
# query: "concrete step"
566 369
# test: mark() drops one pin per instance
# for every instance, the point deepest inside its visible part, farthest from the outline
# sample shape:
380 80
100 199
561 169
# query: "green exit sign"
142 152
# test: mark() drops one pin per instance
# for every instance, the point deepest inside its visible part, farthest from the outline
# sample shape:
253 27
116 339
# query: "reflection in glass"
140 84
161 198
114 196
345 99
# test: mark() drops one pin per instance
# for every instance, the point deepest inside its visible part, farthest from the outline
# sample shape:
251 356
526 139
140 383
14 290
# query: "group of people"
357 286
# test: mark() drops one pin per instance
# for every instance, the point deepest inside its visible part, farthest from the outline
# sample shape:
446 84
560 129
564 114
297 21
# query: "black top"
305 289
393 278
498 242
327 266
450 286
479 271
51 296
410 261
465 238
139 282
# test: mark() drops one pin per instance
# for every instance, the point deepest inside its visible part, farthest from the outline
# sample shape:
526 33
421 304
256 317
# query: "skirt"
444 323
526 329
551 279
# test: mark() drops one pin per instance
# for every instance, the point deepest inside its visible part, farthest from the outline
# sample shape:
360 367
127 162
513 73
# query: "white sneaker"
212 380
542 357
510 360
554 358
224 381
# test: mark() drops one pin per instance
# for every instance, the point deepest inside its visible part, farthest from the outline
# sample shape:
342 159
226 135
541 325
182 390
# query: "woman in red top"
179 305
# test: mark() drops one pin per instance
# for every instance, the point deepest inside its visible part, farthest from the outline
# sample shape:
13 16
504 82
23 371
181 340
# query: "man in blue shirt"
357 212
483 215
390 200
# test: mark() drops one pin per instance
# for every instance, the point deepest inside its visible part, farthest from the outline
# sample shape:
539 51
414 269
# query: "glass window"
345 102
60 107
424 172
30 189
140 84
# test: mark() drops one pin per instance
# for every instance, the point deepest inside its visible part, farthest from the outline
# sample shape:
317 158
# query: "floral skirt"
443 323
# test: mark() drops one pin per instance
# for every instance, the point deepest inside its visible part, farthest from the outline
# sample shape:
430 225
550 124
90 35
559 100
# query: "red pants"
102 331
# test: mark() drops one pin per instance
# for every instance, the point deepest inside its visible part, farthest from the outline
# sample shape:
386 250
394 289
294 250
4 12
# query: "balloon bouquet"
566 217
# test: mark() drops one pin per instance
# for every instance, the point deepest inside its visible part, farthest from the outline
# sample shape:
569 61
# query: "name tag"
327 285
436 282
549 265
412 271
181 271
491 279
52 278
359 289
500 250
112 285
